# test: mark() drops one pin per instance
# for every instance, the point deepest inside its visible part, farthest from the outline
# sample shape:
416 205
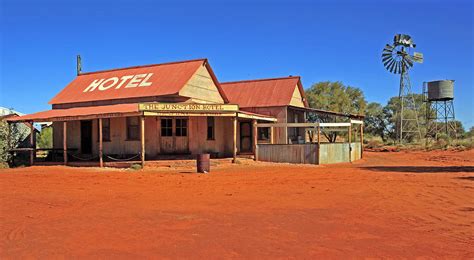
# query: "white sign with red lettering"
133 81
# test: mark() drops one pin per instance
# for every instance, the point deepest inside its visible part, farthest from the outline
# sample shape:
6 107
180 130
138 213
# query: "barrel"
203 163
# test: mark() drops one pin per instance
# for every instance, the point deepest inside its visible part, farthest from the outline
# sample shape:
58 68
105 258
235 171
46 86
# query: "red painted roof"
166 79
262 92
47 115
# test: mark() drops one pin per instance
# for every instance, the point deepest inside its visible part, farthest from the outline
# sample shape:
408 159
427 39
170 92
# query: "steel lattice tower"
398 58
440 117
408 123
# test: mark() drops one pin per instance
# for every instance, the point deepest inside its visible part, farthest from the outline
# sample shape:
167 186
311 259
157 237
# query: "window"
133 128
166 127
210 128
263 133
105 130
181 127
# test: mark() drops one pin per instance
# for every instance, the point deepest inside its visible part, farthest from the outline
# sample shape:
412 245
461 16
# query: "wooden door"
181 144
174 136
246 141
86 136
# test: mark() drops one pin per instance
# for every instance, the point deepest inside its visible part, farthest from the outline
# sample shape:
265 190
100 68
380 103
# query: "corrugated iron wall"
308 153
288 153
334 153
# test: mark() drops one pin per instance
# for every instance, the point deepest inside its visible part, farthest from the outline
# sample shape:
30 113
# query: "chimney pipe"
78 65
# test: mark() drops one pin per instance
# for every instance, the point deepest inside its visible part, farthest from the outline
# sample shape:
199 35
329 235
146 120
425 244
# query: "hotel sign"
187 107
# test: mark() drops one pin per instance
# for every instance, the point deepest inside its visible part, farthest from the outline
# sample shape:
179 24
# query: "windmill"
398 58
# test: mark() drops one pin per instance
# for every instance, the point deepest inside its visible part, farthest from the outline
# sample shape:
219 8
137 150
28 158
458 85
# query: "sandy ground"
396 205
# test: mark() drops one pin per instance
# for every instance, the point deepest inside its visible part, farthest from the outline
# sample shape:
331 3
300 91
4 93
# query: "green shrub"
374 143
136 167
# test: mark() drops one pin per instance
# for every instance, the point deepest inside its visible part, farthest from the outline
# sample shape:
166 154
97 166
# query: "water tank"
440 90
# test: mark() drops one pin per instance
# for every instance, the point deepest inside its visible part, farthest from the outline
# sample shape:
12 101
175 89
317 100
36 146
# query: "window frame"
180 128
128 126
211 137
170 127
259 133
104 138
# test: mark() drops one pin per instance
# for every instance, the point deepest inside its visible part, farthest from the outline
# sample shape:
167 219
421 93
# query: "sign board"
185 114
187 107
418 57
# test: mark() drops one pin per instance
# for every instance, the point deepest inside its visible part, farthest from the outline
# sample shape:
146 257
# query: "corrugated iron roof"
50 115
165 79
262 92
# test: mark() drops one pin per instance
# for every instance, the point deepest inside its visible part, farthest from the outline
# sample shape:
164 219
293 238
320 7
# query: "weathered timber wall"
288 153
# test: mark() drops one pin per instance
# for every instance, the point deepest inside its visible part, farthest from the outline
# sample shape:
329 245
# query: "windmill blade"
384 59
400 67
391 66
388 64
387 61
388 47
397 67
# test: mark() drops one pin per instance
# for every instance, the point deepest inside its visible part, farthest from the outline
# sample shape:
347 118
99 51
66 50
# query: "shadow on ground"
467 178
422 169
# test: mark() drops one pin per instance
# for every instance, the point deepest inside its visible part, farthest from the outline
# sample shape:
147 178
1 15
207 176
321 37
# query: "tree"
335 96
470 133
15 137
375 123
45 138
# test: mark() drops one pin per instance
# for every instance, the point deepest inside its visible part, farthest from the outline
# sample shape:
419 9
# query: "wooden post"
361 140
319 143
255 140
32 144
319 134
350 146
142 139
101 160
234 140
286 127
272 133
65 142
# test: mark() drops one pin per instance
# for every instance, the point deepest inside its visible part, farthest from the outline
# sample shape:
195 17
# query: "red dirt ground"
396 205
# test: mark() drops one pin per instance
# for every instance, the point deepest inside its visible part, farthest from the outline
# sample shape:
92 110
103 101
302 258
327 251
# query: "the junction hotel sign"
187 109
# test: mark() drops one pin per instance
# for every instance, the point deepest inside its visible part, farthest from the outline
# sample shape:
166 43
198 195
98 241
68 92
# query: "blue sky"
318 40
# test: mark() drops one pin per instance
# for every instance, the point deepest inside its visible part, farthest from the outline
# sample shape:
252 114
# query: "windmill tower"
398 58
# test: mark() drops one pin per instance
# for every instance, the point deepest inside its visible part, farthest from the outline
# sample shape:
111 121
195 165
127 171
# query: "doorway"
174 136
246 140
86 136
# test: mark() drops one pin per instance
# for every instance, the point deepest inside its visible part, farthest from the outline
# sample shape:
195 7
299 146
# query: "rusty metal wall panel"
334 153
288 153
355 152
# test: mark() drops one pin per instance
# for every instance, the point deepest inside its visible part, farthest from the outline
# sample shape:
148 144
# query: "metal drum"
440 90
203 163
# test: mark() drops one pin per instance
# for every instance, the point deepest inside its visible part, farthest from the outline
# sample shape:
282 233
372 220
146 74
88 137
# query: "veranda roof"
119 110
